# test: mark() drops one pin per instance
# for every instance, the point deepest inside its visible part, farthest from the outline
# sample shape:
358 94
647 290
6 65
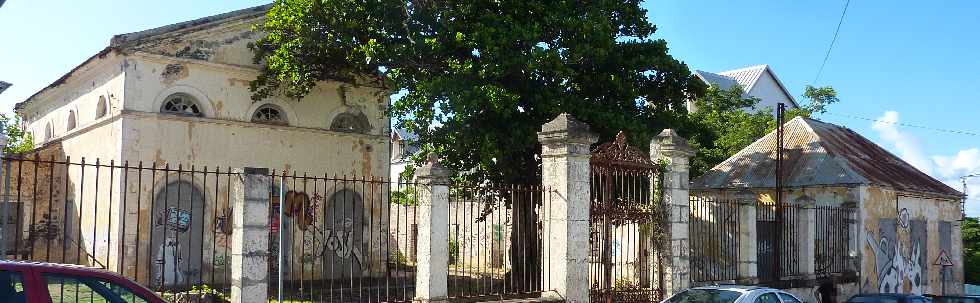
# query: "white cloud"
947 169
908 146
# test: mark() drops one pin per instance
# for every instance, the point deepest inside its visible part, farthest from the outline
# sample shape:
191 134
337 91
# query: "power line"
836 31
961 132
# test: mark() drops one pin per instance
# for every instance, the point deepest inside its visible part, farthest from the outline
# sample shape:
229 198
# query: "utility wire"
836 31
961 132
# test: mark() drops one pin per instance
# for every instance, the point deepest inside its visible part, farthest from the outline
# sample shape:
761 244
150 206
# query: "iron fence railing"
714 239
834 226
495 241
166 227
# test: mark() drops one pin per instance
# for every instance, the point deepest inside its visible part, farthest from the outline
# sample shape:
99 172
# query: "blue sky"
913 62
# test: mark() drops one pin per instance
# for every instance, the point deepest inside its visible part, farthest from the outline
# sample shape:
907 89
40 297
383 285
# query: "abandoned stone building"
176 100
903 235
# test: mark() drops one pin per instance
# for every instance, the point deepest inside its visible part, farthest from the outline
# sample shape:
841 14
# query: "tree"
725 124
971 250
18 140
479 78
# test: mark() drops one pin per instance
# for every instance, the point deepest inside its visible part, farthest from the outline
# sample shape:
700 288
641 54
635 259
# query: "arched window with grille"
270 114
181 104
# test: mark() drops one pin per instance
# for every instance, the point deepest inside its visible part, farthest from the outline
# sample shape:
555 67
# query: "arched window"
351 123
181 104
71 120
101 109
270 114
176 242
48 132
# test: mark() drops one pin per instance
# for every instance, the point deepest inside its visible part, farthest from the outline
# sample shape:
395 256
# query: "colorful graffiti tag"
900 265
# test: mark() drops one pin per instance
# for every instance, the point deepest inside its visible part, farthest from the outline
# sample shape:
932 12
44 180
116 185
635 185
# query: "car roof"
54 267
738 288
893 295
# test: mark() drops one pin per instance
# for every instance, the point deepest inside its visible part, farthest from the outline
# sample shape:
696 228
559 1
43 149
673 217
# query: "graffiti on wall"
900 263
335 239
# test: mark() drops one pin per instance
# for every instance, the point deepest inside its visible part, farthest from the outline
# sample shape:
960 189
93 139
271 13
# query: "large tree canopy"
478 78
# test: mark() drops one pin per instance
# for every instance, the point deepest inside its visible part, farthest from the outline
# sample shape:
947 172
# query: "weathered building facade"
178 97
903 236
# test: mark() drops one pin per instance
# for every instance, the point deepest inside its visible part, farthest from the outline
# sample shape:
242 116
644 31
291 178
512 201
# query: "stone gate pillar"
250 235
748 255
432 273
565 153
668 146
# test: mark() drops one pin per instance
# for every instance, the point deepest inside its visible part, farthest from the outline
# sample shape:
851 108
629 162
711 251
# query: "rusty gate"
628 242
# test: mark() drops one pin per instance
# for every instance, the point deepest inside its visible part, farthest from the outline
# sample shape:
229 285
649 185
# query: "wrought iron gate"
628 244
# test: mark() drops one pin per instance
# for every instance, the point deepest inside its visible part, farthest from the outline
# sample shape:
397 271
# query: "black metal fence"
777 231
344 238
167 227
714 239
834 230
495 242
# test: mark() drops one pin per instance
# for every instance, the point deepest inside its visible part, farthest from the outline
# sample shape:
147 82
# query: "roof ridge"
121 39
757 66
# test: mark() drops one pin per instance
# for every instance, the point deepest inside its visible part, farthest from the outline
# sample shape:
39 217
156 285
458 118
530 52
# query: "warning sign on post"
943 259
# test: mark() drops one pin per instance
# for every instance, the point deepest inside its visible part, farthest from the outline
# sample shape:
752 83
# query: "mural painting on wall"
900 265
336 240
177 236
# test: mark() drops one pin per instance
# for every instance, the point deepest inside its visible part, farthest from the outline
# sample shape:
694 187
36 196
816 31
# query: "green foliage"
18 140
720 126
406 197
971 250
204 289
479 78
453 250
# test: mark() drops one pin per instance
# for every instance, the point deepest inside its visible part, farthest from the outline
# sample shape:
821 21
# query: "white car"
733 294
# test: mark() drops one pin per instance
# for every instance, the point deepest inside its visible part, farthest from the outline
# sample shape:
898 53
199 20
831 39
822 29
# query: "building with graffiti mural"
899 231
138 143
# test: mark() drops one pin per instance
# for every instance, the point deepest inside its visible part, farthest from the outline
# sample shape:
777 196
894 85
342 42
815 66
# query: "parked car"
953 299
888 298
733 294
31 282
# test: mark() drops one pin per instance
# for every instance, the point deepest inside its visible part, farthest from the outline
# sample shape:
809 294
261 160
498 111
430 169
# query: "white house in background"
403 147
756 81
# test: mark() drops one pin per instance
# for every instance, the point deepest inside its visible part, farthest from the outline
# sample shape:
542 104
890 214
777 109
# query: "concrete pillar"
668 146
748 254
806 223
432 273
250 236
565 153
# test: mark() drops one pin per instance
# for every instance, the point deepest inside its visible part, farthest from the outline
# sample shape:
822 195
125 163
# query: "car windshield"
705 296
873 299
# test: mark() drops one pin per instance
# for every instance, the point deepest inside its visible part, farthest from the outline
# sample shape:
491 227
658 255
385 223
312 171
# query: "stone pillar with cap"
250 235
669 147
565 154
806 236
432 272
748 256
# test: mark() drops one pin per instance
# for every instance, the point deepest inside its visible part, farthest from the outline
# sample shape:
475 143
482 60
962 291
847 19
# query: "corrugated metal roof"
746 77
722 82
819 153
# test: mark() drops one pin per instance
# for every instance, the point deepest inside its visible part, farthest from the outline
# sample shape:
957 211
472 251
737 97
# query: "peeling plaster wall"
104 78
902 237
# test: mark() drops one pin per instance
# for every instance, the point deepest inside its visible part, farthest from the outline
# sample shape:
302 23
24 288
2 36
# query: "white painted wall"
769 93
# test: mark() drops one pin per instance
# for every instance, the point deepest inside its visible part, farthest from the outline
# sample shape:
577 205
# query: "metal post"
6 185
280 259
777 248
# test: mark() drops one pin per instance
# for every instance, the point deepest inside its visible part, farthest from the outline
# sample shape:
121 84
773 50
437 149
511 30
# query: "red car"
30 282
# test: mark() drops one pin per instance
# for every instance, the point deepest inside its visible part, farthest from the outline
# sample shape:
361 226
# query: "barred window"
270 114
181 104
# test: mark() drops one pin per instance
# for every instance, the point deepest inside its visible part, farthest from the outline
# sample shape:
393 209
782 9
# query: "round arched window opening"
181 104
270 114
101 109
48 132
351 123
72 123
